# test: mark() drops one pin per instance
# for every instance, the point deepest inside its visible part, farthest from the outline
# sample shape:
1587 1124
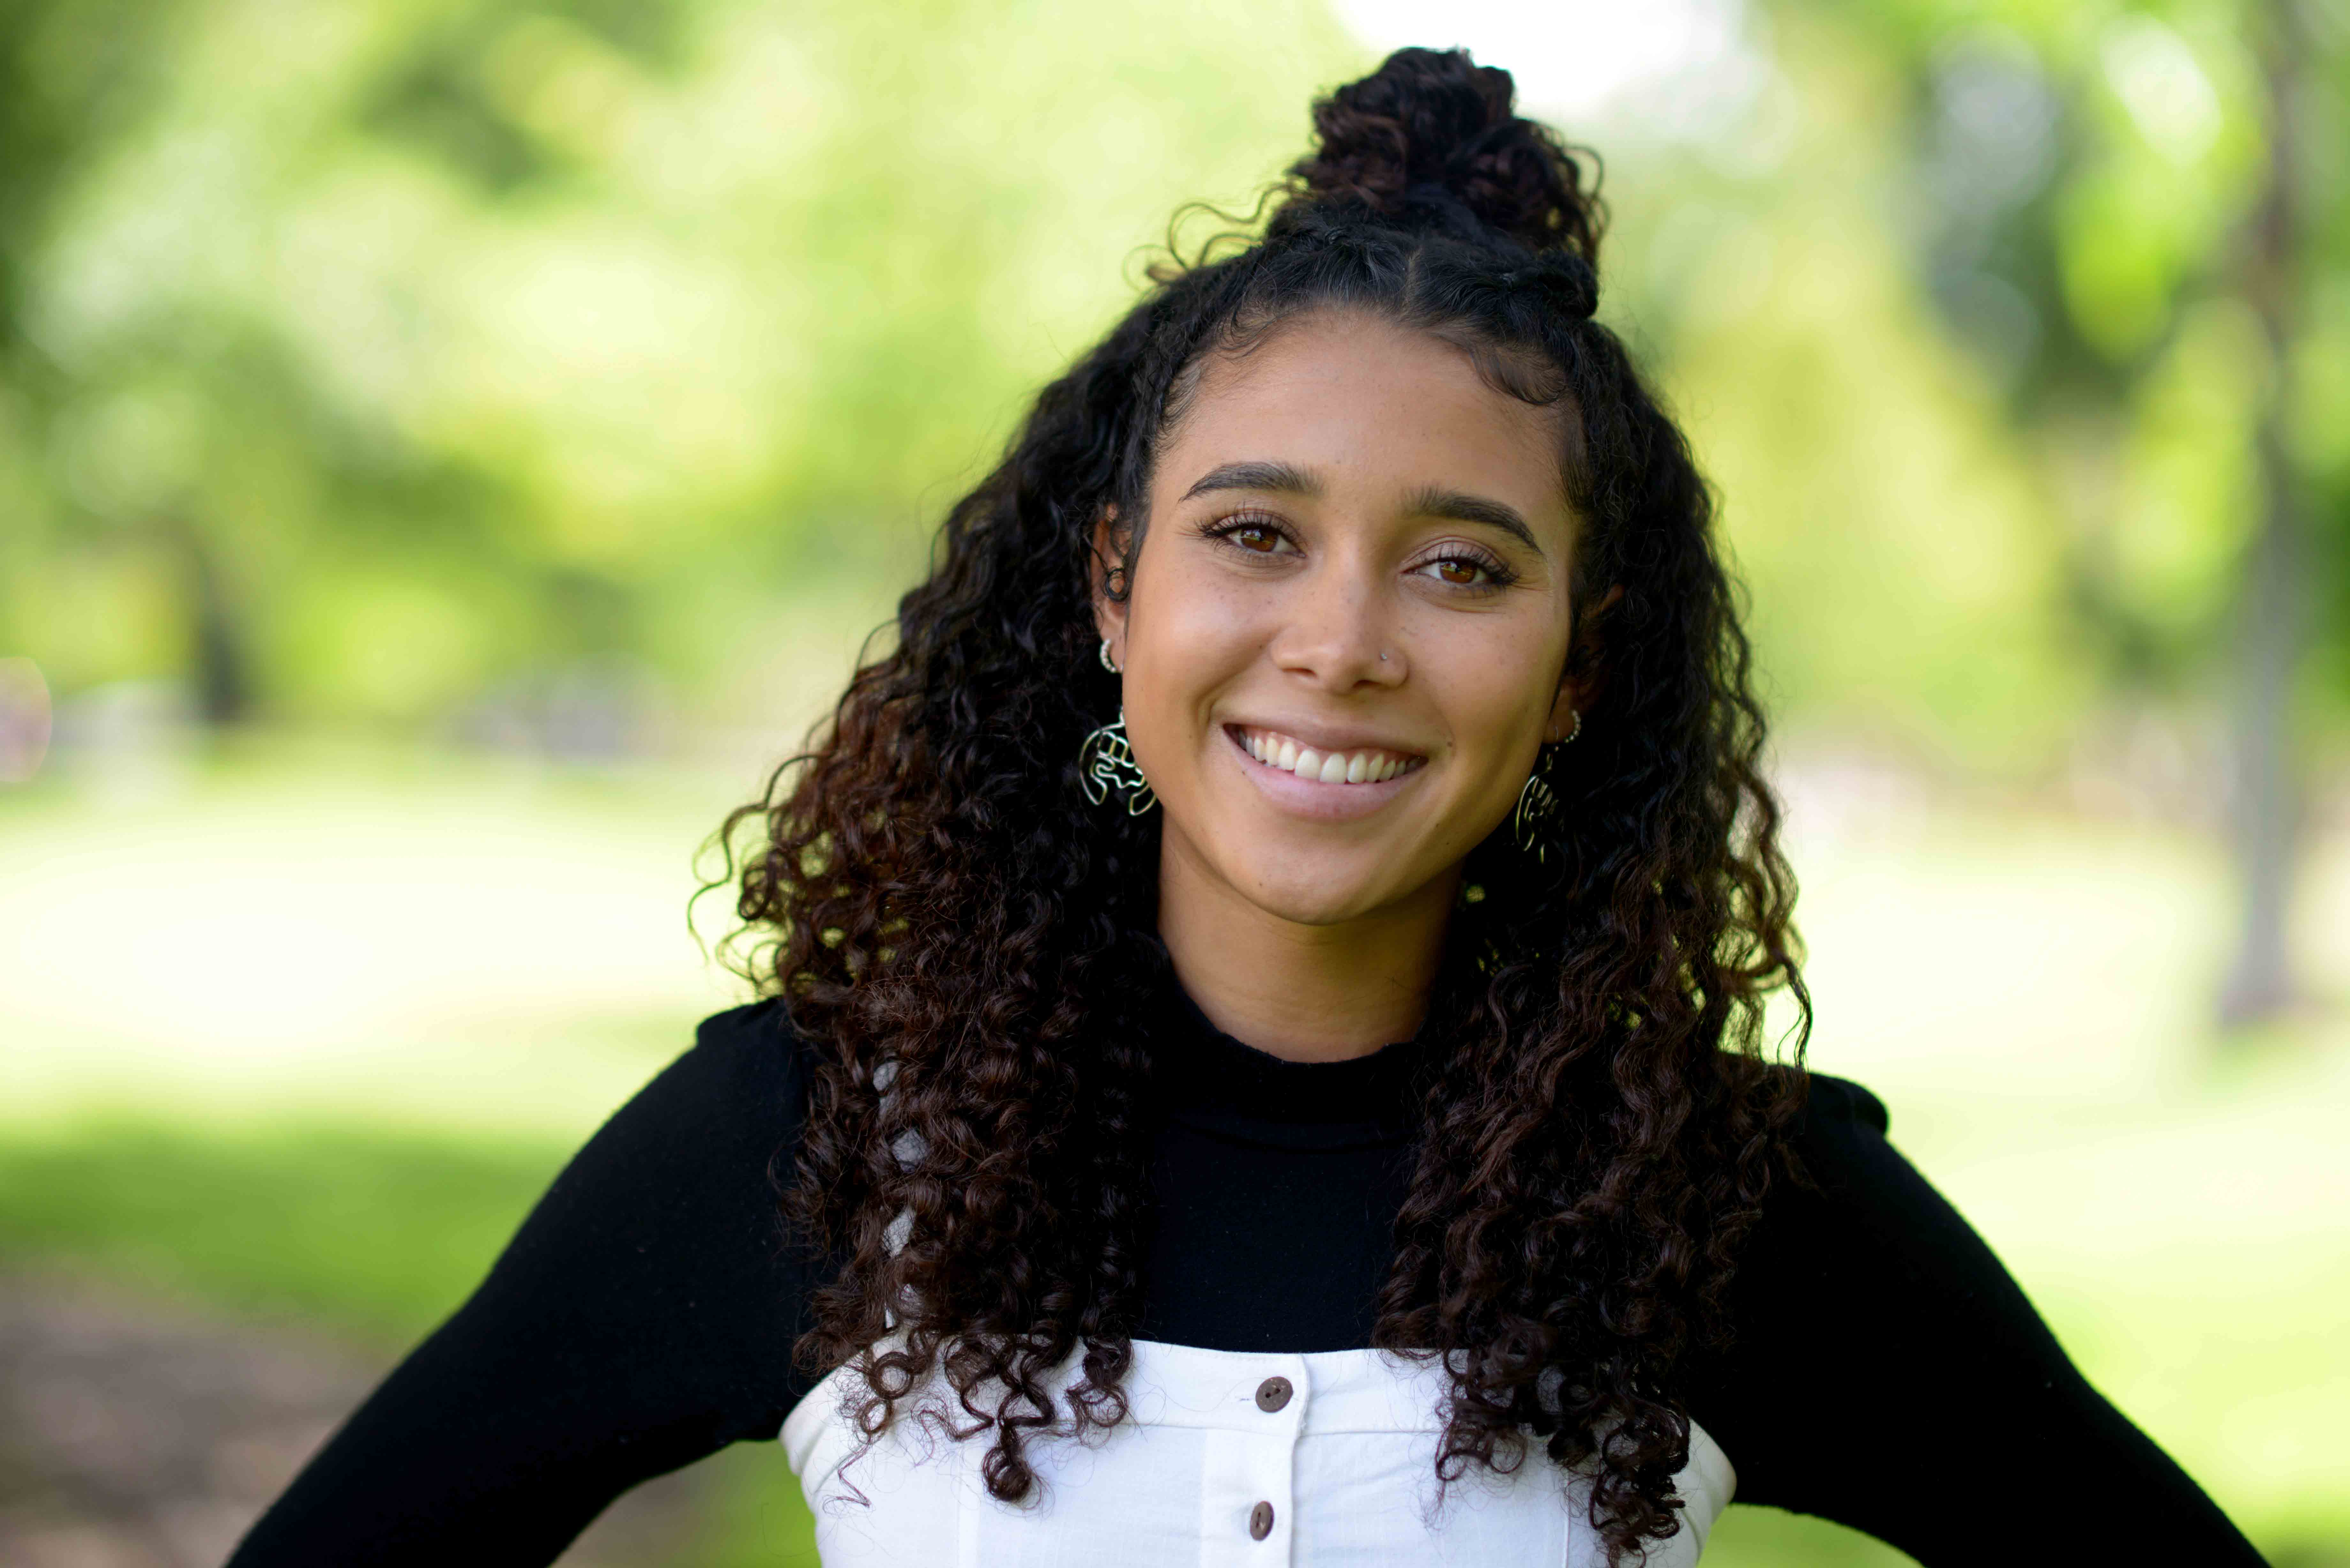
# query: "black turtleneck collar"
1207 1078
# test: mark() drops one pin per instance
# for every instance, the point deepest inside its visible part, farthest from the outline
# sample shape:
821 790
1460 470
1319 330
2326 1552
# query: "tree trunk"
2264 806
224 681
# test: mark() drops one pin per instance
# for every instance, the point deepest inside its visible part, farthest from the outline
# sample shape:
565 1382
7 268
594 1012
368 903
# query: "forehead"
1369 400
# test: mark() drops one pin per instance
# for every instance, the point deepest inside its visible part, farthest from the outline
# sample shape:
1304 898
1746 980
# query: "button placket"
1248 1513
1279 1401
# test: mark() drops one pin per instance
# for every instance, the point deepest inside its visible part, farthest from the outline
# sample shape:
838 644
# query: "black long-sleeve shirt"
1888 1374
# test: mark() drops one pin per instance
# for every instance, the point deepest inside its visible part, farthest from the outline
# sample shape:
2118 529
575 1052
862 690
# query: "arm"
642 1318
1890 1375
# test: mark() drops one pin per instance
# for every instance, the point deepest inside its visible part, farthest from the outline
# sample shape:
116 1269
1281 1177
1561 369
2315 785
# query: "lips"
1367 764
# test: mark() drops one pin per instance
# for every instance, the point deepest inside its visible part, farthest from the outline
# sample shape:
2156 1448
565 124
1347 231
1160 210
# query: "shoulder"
1856 1269
1850 1208
748 1059
1838 1106
1843 1202
755 1033
754 1043
1838 1137
731 1099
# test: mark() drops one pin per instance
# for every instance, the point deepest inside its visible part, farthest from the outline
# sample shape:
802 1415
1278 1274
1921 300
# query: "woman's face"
1348 618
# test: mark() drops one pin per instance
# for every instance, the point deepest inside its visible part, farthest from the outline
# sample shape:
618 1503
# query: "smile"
1290 755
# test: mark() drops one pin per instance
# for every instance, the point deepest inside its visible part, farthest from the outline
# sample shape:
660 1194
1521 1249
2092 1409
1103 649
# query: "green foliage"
417 347
2090 179
395 358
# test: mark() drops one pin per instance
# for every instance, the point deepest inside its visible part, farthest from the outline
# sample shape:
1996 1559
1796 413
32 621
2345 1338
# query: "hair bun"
1430 118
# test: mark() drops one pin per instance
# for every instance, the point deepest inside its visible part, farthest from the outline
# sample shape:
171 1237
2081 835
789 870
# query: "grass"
373 1234
304 1038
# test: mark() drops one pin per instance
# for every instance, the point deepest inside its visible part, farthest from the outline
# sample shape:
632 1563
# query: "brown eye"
1461 572
1256 535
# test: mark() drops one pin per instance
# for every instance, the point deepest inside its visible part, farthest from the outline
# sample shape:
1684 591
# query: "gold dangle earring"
1105 760
1537 811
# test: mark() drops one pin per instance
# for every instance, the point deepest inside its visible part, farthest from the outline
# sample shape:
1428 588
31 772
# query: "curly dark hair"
959 934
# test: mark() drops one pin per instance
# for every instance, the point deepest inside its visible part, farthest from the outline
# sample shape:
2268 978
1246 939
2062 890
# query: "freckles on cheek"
1501 687
1209 625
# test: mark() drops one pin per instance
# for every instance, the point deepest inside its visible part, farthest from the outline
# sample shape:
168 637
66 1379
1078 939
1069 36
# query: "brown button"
1261 1521
1272 1394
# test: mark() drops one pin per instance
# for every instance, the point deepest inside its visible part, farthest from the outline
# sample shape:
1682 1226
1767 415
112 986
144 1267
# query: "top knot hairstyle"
1433 132
972 949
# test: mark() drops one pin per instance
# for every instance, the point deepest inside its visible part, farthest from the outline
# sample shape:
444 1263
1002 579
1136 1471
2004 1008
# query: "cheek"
1198 611
1186 641
1191 635
1495 690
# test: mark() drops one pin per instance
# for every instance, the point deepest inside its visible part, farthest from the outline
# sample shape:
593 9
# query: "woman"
1262 1058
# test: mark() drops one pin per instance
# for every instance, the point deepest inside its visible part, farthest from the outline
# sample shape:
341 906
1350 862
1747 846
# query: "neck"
1305 992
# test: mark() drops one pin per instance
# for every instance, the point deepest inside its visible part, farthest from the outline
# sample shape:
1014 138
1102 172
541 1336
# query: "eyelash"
1497 572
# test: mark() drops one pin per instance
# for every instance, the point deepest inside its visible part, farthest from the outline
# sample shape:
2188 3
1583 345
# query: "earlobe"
1110 620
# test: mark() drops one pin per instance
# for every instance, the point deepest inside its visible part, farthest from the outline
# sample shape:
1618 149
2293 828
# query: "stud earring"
1106 763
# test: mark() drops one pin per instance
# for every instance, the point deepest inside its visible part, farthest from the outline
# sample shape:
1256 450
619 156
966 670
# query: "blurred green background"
450 449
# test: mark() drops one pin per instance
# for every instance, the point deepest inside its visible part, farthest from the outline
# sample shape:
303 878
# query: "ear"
1585 672
1106 550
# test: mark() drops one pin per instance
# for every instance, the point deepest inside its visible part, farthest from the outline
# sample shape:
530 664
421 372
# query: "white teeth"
1324 767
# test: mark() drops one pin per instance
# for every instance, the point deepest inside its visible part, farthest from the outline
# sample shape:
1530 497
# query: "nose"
1339 624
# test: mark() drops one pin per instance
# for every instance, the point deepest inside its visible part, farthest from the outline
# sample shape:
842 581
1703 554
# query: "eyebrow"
1430 501
1284 478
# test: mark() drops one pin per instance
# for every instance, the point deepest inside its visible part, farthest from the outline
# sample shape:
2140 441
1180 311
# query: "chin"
1309 900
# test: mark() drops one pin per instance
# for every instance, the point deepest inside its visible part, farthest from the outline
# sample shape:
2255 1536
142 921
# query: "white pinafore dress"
1226 1459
